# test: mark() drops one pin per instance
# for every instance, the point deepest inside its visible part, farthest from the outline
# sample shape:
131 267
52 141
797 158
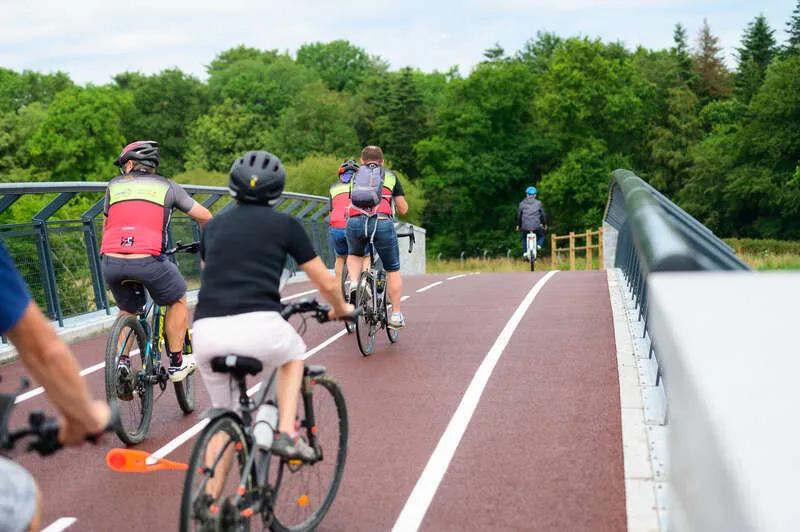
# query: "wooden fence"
588 246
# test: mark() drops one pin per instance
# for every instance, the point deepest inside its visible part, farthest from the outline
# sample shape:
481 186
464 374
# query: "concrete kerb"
96 323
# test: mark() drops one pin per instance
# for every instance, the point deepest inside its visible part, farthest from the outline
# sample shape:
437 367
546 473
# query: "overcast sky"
93 40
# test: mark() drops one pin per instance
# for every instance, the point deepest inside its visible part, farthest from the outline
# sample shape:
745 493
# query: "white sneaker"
178 373
397 320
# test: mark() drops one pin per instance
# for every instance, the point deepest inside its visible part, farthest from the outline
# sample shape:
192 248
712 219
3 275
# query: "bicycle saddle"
238 366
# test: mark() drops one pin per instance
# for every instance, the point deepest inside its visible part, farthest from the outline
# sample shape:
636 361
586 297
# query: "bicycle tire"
326 435
393 334
133 432
184 390
365 323
197 468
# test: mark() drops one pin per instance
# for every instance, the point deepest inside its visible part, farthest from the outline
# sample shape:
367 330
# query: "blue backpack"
367 186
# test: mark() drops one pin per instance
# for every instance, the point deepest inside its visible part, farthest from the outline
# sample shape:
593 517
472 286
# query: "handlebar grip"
114 423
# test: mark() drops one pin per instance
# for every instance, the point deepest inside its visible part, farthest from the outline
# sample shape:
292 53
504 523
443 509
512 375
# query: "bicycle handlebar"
43 429
192 247
411 239
319 310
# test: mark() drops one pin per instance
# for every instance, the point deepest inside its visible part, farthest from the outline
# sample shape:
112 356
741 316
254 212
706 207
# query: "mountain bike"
372 298
531 246
140 339
285 495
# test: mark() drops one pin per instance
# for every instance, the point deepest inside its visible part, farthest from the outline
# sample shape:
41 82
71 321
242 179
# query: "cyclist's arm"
51 363
401 205
200 214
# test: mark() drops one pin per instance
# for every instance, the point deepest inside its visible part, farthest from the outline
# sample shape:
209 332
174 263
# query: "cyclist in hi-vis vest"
137 211
339 197
379 222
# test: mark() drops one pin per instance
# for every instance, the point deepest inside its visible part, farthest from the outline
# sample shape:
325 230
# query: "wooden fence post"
572 250
589 265
553 251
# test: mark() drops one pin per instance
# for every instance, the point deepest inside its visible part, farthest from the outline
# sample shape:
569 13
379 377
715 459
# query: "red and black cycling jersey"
138 208
339 196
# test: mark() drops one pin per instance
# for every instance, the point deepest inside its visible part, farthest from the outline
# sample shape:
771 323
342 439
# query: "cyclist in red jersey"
339 197
137 211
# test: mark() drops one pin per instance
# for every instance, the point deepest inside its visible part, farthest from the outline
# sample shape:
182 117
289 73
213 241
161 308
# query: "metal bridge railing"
655 235
57 250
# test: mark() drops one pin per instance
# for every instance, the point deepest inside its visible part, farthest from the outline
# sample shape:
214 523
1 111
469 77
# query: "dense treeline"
560 113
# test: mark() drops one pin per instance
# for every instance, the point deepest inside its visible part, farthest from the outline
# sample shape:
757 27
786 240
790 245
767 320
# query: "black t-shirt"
244 251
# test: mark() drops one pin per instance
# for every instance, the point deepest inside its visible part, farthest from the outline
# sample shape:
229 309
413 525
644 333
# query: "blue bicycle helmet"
530 190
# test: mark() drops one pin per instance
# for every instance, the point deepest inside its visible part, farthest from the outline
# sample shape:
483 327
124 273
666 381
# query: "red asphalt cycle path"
543 450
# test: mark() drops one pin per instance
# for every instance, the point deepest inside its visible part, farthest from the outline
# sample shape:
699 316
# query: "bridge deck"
542 450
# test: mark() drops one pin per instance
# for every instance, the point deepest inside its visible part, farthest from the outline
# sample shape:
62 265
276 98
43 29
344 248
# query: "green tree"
225 59
20 89
319 122
713 79
537 53
165 105
792 46
681 53
81 135
669 144
754 56
16 130
219 136
495 53
341 65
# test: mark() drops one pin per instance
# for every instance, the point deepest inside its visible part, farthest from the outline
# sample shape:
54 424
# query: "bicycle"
371 297
266 483
141 341
531 246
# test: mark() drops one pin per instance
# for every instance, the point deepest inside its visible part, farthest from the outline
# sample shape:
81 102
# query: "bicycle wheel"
393 334
211 482
304 492
184 390
129 390
365 324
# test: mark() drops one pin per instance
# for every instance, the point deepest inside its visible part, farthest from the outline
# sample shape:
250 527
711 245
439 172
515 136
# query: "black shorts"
161 278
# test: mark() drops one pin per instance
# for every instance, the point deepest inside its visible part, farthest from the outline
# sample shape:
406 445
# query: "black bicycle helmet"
142 151
257 177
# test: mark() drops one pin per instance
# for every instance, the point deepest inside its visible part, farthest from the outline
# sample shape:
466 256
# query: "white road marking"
61 524
456 276
424 288
294 296
421 496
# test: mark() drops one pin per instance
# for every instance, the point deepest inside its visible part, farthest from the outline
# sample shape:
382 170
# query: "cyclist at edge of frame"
136 215
51 363
339 198
531 217
238 308
359 228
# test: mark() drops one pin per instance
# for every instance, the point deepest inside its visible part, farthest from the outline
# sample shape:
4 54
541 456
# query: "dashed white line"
432 285
456 276
420 499
60 524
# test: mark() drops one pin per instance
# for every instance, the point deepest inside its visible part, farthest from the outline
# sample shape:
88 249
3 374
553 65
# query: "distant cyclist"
238 309
138 208
50 362
339 197
531 217
378 220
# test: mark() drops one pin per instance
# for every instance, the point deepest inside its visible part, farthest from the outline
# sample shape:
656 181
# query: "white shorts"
262 335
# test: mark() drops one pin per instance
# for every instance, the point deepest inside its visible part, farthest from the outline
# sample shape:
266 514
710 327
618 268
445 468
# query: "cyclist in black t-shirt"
238 309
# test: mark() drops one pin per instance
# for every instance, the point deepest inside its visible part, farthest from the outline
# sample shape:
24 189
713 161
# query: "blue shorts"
359 230
338 239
